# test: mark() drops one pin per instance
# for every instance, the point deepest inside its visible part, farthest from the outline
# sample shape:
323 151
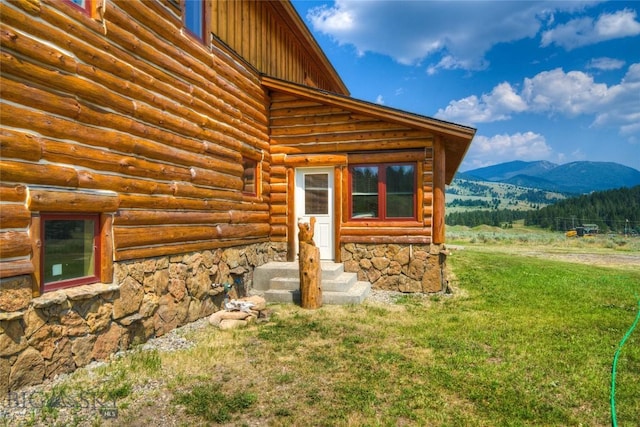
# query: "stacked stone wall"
403 268
69 328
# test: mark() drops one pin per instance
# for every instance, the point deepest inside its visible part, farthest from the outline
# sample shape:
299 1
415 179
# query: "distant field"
520 234
600 250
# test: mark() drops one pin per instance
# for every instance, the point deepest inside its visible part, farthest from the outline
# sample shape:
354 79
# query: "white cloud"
504 99
605 64
528 146
332 20
380 100
450 62
524 146
495 106
557 93
586 31
578 154
570 94
456 35
621 107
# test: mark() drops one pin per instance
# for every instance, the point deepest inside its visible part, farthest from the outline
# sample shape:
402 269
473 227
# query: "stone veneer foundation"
412 268
66 329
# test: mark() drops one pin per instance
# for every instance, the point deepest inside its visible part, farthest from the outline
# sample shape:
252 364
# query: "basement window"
70 250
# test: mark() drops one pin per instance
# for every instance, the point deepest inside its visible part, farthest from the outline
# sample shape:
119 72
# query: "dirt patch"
600 260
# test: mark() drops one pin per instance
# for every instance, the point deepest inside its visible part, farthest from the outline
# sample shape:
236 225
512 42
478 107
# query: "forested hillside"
468 194
612 210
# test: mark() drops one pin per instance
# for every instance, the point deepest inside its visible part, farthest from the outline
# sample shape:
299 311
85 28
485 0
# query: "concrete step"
282 296
280 282
262 275
355 295
342 283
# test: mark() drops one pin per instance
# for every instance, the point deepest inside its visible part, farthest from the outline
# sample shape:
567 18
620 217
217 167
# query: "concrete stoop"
280 282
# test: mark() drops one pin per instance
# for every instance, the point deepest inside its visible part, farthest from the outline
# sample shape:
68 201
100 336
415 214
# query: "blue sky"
540 80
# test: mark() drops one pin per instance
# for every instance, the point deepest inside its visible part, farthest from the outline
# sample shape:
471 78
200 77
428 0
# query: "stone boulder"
14 294
5 371
11 338
27 370
81 349
233 318
107 343
131 294
100 318
61 360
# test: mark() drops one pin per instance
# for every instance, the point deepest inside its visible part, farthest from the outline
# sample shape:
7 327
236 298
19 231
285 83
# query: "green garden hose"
614 421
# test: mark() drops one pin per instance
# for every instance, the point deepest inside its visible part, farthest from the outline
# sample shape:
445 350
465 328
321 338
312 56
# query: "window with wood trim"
70 250
250 176
383 191
195 18
82 4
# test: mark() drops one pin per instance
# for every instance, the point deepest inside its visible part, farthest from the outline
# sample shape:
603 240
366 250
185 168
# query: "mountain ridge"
578 177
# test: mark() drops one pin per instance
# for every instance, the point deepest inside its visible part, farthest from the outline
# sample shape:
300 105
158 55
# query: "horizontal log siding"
257 30
15 245
304 127
279 203
135 106
307 133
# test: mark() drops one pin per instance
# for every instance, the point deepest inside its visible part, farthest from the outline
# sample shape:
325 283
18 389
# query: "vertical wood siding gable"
255 30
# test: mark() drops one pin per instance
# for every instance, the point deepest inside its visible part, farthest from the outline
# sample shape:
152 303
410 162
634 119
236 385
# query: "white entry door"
314 197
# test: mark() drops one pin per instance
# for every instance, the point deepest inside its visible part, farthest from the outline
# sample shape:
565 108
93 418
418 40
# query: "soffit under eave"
457 138
454 154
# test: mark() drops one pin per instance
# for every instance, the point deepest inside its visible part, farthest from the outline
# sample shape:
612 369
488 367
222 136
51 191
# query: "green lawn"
552 329
522 342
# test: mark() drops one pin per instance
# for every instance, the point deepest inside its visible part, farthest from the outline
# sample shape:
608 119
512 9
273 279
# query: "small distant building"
587 230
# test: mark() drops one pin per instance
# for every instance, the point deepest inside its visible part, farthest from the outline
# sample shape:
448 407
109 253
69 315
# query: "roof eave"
457 137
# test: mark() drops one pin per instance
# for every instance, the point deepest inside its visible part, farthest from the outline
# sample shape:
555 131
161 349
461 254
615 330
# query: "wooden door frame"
291 211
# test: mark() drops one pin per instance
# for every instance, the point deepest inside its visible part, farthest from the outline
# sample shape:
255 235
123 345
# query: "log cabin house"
154 150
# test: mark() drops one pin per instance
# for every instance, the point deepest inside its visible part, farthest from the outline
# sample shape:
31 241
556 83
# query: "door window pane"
316 194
